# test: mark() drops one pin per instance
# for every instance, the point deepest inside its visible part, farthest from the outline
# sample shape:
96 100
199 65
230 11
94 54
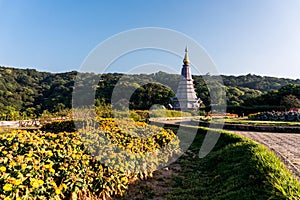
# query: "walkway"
285 145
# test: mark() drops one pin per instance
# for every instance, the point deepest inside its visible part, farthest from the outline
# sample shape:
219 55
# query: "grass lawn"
237 168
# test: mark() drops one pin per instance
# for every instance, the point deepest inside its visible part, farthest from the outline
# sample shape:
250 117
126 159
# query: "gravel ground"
285 145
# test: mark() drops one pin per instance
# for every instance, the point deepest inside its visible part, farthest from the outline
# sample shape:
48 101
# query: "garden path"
285 145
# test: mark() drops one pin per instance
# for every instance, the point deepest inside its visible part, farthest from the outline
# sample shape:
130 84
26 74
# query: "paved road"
285 145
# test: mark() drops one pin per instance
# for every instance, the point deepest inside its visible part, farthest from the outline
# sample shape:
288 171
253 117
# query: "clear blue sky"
241 36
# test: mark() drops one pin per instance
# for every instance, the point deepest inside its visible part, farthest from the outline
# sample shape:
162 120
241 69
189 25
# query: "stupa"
186 98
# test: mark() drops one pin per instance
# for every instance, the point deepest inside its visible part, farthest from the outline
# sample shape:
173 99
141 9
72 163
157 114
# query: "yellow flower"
7 198
12 163
47 166
3 169
11 180
41 182
34 183
18 182
53 184
36 167
23 166
124 179
50 153
30 155
64 186
52 170
18 198
9 139
63 168
29 159
7 187
4 152
57 191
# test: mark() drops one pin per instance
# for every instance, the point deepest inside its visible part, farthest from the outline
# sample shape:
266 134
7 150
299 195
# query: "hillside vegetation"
27 93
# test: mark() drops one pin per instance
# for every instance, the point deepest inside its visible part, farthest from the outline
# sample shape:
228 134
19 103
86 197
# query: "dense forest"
27 93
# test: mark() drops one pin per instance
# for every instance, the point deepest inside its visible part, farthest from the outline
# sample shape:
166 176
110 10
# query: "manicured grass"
237 168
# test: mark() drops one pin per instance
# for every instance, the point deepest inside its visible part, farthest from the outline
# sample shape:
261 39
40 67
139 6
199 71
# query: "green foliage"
286 97
146 96
27 93
169 113
62 126
290 101
237 168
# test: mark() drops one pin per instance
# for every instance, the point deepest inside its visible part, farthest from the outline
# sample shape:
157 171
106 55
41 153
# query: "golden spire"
186 57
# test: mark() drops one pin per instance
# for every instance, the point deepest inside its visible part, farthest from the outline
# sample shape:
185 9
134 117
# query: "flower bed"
291 116
98 162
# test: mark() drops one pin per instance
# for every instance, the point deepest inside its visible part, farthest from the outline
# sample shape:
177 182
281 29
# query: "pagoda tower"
186 98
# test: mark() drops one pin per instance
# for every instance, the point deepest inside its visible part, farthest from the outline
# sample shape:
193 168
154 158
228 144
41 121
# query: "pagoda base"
185 105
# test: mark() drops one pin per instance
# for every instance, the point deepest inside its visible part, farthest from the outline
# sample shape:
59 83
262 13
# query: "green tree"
290 101
147 95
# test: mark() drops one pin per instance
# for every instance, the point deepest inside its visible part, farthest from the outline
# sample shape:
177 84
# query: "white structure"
186 98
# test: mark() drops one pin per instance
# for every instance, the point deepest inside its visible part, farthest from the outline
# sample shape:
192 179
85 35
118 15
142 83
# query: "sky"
241 36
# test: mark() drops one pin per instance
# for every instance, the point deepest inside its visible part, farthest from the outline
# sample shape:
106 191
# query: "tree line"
28 93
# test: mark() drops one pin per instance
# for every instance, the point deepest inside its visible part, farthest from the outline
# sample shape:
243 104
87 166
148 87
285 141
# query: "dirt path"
154 188
285 145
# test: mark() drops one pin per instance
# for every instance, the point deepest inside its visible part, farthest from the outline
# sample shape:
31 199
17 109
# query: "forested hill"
29 93
262 83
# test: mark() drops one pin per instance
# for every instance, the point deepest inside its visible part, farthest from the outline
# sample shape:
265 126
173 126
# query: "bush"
169 113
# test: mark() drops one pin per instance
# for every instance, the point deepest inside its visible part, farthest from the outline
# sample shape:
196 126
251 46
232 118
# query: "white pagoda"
186 98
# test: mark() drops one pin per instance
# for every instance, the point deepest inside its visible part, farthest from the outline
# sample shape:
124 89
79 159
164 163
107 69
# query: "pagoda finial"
186 57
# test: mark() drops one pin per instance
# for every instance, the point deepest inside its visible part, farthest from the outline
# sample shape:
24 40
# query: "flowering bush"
97 162
276 116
